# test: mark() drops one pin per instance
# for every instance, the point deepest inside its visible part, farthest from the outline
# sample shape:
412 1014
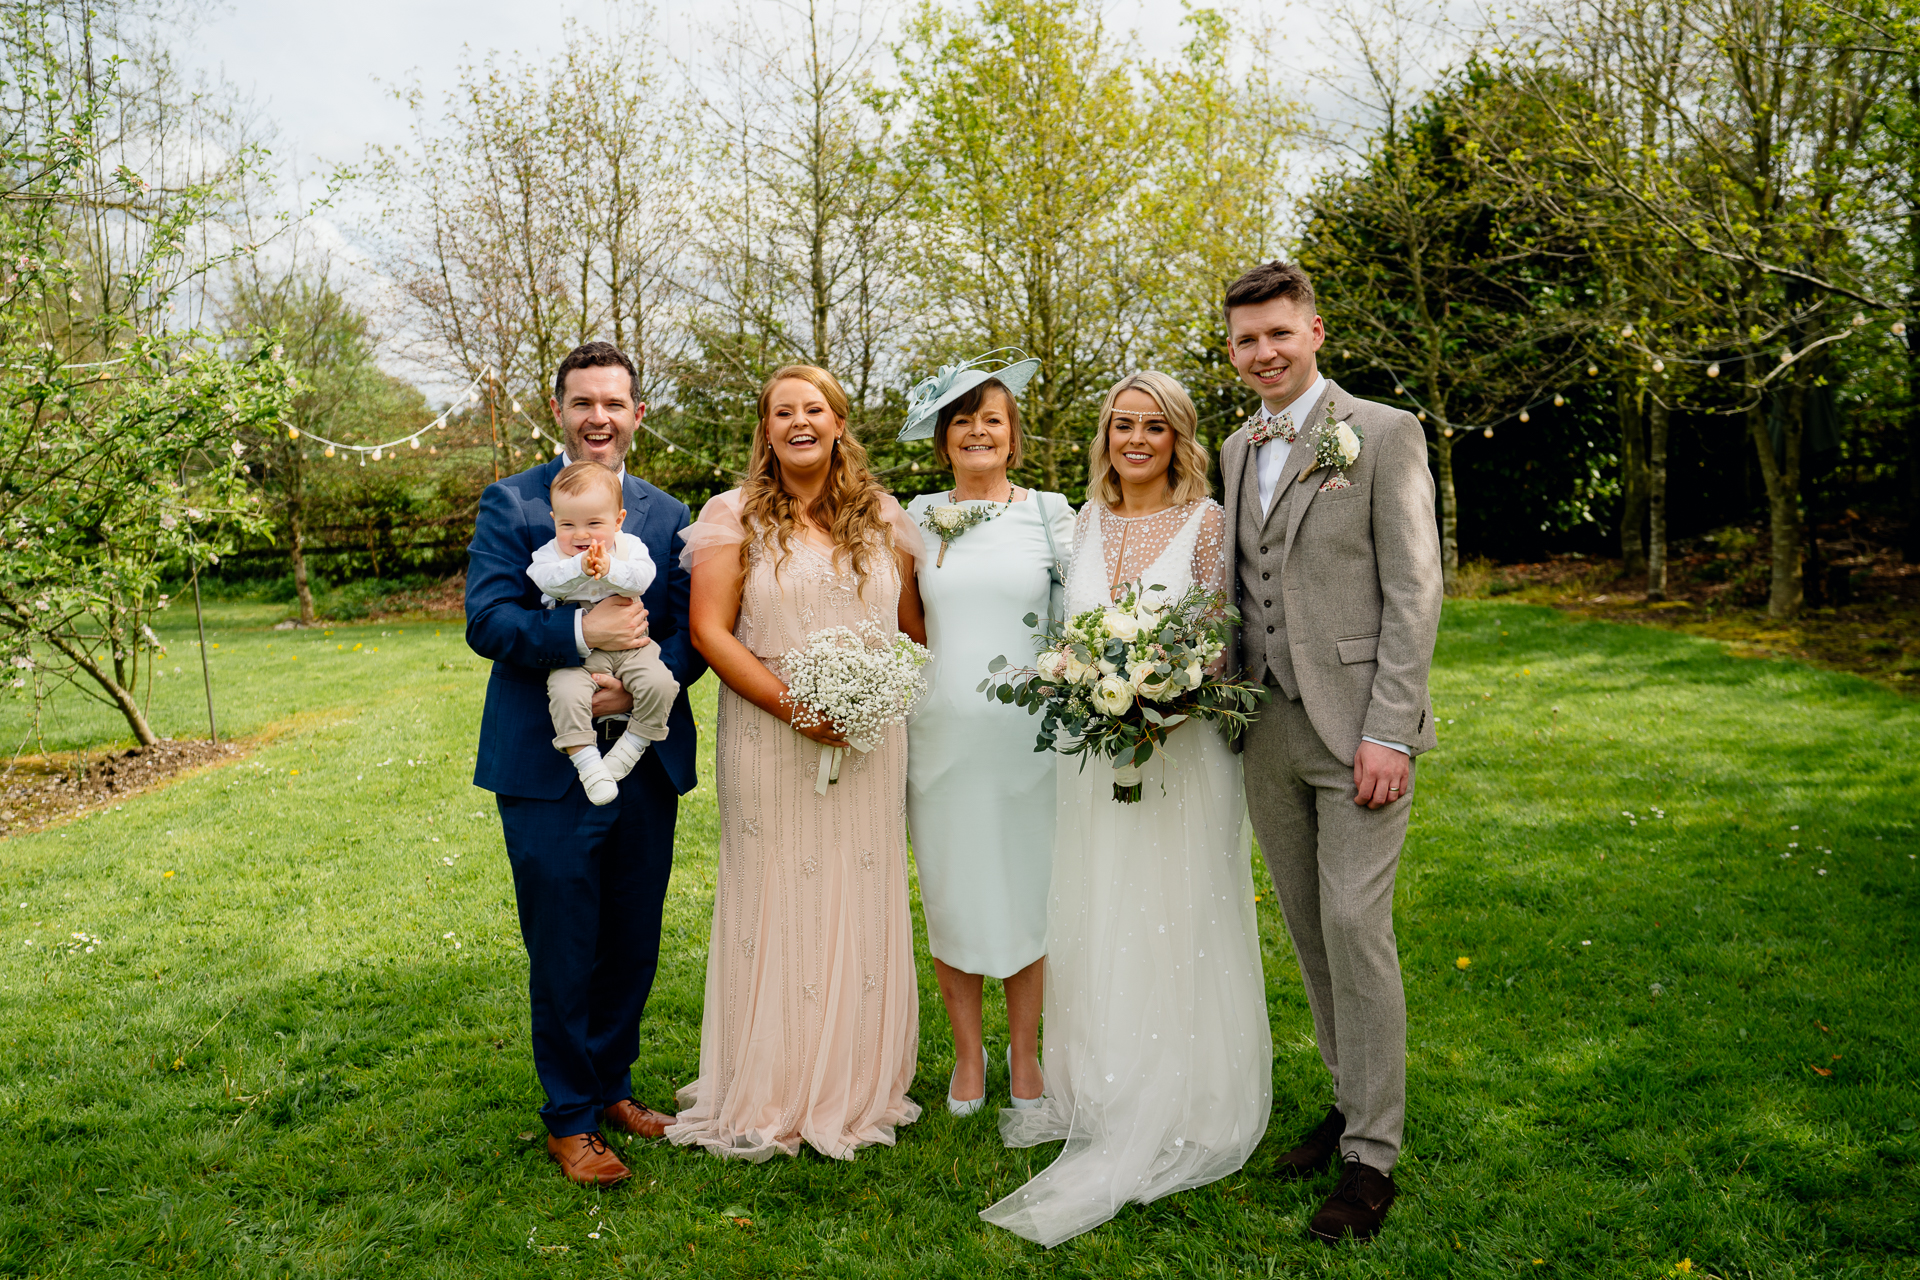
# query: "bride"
1157 1058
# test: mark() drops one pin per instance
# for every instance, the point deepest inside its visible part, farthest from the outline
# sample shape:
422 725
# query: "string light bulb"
1399 390
1593 371
1423 417
1786 357
1525 416
1627 332
1899 328
1558 400
376 455
293 433
516 406
1659 366
1488 433
1713 370
329 451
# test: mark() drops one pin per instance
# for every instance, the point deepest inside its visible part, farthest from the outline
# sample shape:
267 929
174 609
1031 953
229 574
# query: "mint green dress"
980 799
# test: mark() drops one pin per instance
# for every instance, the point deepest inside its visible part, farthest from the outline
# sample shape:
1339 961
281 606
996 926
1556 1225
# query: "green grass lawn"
293 1039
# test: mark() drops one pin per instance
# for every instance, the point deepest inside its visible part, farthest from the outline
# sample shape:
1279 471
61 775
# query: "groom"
1337 573
589 880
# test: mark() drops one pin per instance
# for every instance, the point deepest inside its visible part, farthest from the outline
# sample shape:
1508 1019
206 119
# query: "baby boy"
590 559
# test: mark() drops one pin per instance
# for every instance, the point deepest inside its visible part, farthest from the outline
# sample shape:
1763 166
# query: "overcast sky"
326 74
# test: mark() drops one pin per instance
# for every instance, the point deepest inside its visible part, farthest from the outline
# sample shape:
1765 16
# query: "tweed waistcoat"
1261 546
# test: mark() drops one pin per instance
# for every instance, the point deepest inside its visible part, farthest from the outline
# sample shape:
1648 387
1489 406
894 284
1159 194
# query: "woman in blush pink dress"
812 1020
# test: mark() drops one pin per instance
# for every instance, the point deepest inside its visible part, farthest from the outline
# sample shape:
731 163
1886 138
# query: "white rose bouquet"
1115 682
858 682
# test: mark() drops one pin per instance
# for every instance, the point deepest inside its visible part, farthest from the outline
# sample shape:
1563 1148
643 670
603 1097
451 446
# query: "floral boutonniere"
1337 446
949 520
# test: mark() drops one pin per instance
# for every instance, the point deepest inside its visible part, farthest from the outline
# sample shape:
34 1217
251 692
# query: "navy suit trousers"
590 883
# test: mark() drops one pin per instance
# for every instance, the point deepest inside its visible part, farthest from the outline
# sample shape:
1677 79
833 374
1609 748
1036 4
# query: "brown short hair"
577 478
594 355
1186 472
1266 282
971 403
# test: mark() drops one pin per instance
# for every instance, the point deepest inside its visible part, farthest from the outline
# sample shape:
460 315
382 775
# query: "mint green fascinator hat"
1011 366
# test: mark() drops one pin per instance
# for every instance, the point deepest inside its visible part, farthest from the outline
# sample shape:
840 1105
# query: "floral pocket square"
1336 481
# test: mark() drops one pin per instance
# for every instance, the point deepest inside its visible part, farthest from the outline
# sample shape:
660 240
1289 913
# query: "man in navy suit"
590 880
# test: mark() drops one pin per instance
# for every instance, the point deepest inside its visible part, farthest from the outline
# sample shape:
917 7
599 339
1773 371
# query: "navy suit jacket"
506 623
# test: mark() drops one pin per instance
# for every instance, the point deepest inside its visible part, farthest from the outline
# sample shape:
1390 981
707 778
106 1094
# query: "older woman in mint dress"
980 799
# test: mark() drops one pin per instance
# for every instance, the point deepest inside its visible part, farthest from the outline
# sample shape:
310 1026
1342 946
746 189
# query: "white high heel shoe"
971 1105
1019 1103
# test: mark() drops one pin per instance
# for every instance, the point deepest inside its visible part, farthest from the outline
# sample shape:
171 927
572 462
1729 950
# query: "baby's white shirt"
565 578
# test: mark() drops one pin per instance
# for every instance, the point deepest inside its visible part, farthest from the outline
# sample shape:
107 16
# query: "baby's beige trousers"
570 694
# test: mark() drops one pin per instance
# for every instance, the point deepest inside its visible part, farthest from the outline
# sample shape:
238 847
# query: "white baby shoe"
624 754
598 783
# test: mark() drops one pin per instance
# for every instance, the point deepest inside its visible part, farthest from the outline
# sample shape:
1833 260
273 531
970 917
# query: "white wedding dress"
1157 1057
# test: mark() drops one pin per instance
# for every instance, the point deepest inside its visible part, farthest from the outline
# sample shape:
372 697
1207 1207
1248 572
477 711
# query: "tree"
329 343
1440 277
542 208
121 437
1033 149
1766 106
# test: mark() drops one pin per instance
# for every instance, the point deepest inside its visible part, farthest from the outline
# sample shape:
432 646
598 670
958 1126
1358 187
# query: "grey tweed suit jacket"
1360 573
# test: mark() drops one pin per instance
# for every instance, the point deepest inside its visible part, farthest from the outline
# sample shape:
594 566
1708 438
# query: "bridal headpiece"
1011 366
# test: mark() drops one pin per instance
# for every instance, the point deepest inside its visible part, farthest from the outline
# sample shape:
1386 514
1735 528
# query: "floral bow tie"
1272 426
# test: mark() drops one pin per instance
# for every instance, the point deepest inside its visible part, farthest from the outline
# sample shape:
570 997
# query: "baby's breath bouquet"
856 681
1113 683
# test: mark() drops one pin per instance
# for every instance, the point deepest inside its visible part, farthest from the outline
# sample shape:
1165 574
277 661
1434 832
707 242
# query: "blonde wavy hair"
849 507
1186 472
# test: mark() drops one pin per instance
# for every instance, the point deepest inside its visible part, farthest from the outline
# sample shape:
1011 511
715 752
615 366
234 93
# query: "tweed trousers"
1333 864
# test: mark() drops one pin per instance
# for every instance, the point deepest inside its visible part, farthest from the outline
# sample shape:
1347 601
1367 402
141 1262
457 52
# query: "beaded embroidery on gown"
811 1025
1157 1056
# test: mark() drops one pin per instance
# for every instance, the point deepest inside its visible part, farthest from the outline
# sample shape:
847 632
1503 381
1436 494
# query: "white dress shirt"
1270 459
579 626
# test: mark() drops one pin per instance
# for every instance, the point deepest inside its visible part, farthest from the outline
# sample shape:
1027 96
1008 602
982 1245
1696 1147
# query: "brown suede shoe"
1357 1206
642 1122
1315 1152
588 1160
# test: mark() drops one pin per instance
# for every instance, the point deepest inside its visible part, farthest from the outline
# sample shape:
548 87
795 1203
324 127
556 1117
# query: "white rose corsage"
949 520
1337 446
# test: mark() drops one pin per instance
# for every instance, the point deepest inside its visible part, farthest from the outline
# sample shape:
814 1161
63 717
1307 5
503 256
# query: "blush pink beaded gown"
811 1027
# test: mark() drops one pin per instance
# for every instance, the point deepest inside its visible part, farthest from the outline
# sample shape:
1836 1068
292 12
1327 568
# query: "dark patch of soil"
36 791
441 600
1862 615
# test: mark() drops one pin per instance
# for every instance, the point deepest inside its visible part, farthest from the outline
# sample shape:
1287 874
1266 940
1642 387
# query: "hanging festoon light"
1713 370
1399 390
293 433
413 442
1593 371
1659 366
1786 357
376 455
1627 332
1525 416
1488 433
329 451
1558 400
1899 328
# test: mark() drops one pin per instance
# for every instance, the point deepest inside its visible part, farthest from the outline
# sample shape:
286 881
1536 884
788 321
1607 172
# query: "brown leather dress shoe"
1315 1152
1357 1206
639 1121
587 1159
